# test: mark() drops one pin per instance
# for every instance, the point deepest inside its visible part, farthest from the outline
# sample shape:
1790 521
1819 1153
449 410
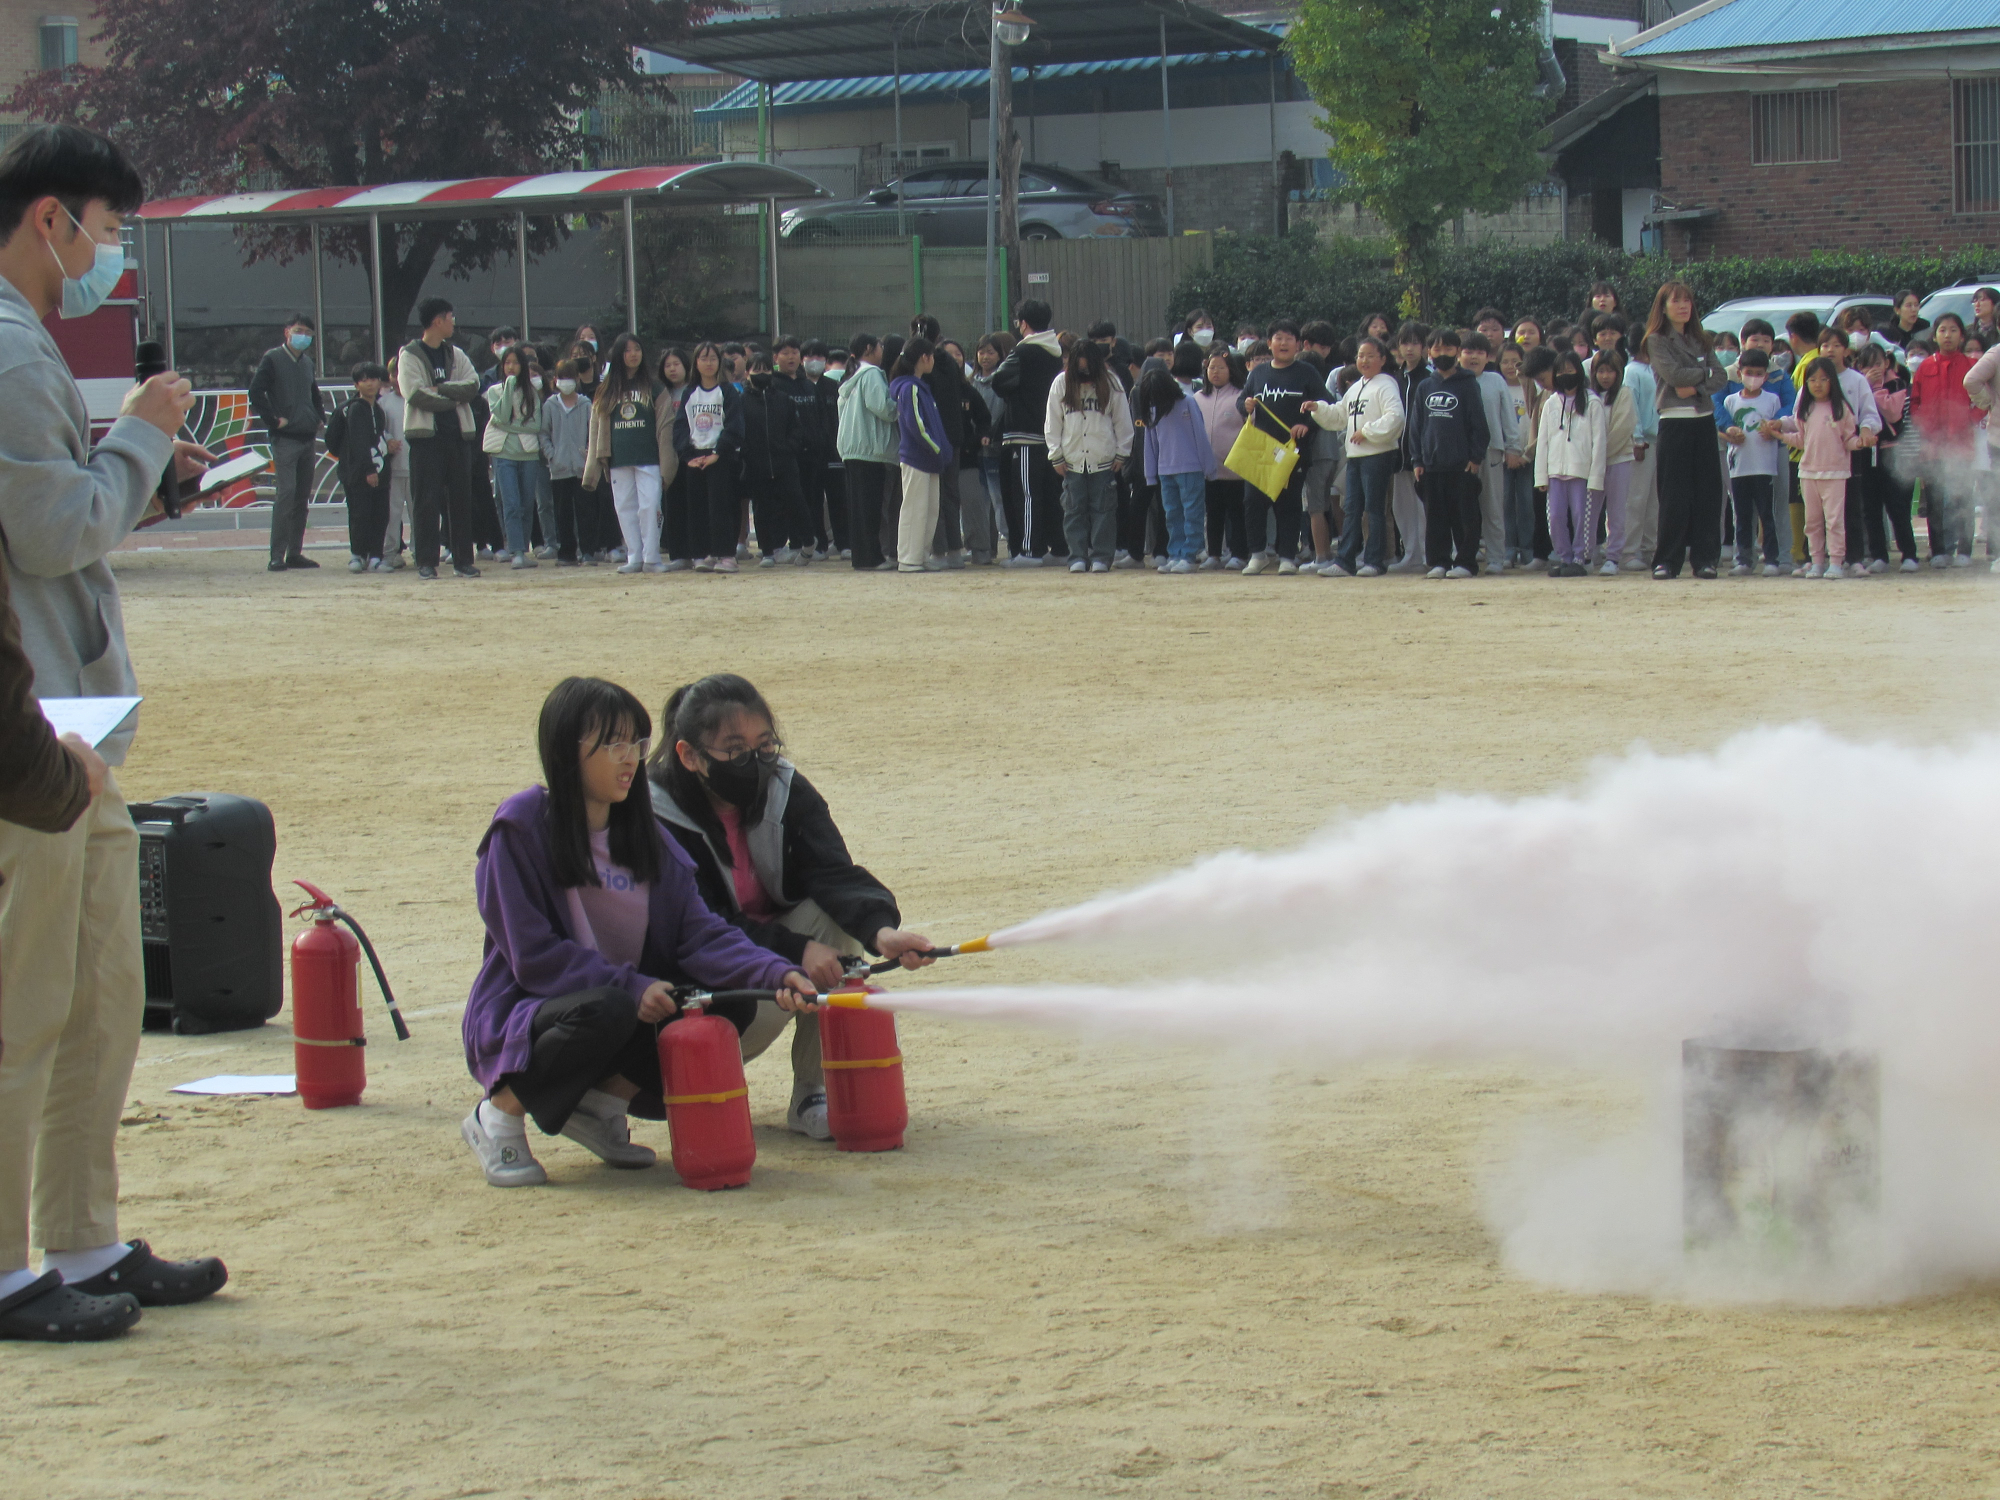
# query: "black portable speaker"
210 925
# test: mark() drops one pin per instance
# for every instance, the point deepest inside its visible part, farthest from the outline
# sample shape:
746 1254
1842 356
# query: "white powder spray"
1790 883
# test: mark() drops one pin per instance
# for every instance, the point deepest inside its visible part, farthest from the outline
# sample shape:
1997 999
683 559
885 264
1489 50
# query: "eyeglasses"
766 751
620 749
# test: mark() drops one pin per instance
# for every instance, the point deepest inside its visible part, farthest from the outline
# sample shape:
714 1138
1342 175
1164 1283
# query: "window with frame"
1975 145
58 37
1801 125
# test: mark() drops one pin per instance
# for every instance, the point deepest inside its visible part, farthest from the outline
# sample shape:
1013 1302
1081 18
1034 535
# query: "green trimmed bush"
1256 279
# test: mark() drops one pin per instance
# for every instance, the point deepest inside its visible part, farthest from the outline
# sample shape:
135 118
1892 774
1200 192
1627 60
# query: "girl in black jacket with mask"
768 857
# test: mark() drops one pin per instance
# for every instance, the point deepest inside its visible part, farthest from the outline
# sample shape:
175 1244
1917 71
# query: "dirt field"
1070 1283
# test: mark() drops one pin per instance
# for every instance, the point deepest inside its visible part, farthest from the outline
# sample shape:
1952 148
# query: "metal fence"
1128 281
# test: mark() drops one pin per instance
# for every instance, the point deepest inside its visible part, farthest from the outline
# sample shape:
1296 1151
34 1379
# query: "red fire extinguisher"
865 1104
708 1101
326 1006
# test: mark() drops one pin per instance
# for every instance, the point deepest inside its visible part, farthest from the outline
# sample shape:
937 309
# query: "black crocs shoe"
156 1282
49 1312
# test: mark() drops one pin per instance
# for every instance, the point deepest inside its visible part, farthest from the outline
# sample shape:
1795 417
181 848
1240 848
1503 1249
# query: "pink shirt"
750 892
611 916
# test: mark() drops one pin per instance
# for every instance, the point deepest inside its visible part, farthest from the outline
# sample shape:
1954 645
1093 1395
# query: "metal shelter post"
319 306
1277 181
631 273
375 282
167 281
1166 124
992 170
146 277
771 245
521 262
896 63
767 260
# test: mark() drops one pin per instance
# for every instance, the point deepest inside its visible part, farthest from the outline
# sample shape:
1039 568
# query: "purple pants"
1567 506
1611 499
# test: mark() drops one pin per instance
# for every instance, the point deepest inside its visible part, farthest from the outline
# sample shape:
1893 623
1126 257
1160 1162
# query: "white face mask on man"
83 295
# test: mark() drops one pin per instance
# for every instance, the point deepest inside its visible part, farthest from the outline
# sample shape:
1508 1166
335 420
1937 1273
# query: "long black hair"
528 392
694 713
621 385
1836 402
1159 394
908 355
580 714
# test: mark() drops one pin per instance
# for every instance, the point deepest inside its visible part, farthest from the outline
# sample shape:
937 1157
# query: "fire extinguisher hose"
395 1015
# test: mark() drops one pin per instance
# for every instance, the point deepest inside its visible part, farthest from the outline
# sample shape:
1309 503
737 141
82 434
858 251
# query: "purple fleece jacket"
531 955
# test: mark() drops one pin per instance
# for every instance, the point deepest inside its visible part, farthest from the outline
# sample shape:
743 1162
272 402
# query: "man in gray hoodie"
72 990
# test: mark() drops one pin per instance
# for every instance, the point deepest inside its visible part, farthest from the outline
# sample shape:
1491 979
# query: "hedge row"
1256 279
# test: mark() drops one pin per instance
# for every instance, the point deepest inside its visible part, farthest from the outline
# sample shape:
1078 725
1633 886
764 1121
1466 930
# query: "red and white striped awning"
476 197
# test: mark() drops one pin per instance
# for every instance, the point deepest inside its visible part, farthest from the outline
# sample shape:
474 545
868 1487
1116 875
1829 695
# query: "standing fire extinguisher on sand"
326 1004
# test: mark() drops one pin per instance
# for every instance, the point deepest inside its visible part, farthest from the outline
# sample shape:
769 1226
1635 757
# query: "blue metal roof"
742 100
1780 23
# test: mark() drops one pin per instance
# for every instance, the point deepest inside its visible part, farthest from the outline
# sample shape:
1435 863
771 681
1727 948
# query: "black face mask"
761 380
738 780
1569 384
1444 362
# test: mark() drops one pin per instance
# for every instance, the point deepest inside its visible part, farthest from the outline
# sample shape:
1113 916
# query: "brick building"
1784 126
41 35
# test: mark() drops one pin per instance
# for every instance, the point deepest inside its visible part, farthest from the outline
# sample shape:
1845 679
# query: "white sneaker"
1609 570
1770 570
1834 572
679 565
1367 570
651 567
1022 560
1814 570
1857 570
1909 565
807 1117
743 552
1213 565
1879 565
1233 564
634 566
1961 559
1741 570
768 560
1100 566
1940 559
1331 569
357 565
1256 565
506 1163
1078 565
1126 560
1182 565
1160 565
1286 567
608 1140
1458 572
1435 573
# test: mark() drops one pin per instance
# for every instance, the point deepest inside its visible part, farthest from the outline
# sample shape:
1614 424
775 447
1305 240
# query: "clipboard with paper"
1265 455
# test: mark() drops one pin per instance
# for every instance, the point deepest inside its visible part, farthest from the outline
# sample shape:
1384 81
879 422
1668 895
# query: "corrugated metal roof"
743 98
1780 23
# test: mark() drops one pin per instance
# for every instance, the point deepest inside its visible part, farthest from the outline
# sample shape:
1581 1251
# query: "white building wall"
1201 136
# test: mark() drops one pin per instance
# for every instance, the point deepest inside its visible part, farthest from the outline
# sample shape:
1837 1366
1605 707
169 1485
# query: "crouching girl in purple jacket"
591 915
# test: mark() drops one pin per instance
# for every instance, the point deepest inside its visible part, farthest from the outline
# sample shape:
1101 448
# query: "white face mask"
815 368
83 295
566 386
1243 346
1202 336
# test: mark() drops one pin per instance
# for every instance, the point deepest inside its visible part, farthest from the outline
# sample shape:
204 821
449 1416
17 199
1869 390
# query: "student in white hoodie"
1088 427
1477 355
1569 459
1369 419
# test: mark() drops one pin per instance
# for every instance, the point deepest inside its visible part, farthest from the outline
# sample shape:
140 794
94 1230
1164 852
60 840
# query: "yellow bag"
1264 459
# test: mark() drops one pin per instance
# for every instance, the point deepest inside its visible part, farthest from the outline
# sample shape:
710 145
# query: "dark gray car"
945 202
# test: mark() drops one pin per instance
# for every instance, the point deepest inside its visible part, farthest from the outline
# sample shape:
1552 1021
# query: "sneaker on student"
634 566
1078 565
429 575
1834 572
357 564
1909 565
1435 573
1258 564
523 561
678 565
1961 559
1814 570
769 560
1286 567
1368 570
507 1163
1233 564
1331 568
1022 560
656 567
1185 565
1212 565
608 1140
1161 564
807 1116
743 552
1741 570
1099 565
1125 559
1879 565
1609 570
726 565
1458 573
1940 559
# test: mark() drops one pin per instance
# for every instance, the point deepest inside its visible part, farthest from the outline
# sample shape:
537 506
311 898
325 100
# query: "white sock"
602 1105
498 1123
81 1265
13 1281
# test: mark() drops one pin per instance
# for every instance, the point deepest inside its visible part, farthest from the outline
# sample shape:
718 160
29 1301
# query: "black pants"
776 505
1690 480
1031 495
711 508
865 483
1751 494
1886 499
1451 518
1257 508
485 507
440 491
1130 484
830 510
570 501
677 528
576 1041
367 514
1225 519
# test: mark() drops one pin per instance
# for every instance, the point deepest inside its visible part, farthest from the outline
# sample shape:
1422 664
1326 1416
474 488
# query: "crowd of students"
1603 445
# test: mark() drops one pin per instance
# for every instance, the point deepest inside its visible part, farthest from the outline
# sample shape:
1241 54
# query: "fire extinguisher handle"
395 1015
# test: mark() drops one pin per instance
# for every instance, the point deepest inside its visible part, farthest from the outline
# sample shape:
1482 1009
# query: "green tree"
1431 106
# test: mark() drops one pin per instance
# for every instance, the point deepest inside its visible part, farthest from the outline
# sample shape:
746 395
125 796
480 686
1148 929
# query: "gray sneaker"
807 1116
506 1163
608 1140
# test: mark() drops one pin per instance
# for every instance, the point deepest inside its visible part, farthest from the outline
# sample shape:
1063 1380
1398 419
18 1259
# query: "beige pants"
918 520
72 999
808 1077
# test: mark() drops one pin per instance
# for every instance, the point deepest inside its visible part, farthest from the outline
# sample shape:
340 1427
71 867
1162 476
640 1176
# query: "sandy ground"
1099 1268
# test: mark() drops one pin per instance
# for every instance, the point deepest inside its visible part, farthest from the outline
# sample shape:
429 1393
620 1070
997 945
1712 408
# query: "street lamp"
1011 27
